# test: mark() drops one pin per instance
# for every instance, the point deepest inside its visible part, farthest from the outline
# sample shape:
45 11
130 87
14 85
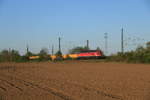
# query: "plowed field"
76 80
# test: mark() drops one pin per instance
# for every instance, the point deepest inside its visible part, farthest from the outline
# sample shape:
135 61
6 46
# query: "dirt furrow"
53 91
70 84
12 85
3 88
88 88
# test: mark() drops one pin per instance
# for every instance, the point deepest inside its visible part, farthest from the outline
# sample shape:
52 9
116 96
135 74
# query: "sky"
39 23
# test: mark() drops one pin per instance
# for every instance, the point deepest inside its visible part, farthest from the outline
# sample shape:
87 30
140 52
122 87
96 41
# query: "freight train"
87 54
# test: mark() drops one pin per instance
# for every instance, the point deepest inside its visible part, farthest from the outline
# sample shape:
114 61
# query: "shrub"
140 55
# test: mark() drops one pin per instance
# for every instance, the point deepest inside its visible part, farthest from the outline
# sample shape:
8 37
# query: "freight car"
87 54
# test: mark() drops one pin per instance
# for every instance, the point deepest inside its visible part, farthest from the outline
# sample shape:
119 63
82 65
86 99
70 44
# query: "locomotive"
86 54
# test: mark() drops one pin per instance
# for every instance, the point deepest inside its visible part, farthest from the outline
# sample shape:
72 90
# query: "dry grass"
74 81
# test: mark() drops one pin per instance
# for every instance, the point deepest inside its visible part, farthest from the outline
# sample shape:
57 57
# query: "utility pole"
10 55
52 49
106 42
27 49
59 39
87 44
122 41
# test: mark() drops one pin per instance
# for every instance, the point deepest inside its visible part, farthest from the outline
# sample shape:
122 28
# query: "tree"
44 51
15 56
28 54
5 56
139 49
148 45
9 55
78 49
44 54
98 48
58 53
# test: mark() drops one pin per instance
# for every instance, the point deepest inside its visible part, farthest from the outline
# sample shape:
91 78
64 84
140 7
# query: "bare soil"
75 80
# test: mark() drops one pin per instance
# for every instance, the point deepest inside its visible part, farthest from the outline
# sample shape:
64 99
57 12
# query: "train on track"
87 54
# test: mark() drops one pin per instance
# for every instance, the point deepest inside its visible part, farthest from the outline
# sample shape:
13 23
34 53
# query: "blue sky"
39 23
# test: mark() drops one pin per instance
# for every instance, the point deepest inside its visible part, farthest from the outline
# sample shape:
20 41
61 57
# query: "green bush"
140 55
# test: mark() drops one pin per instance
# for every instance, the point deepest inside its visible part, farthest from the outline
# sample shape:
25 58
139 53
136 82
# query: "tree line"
15 56
140 55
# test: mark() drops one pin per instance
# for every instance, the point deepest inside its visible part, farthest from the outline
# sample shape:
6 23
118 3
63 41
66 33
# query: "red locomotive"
90 54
